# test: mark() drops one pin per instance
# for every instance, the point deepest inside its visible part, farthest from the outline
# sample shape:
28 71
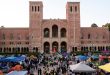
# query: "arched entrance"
63 47
46 47
54 46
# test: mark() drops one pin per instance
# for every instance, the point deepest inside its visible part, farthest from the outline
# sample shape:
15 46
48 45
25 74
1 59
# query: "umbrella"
105 67
82 57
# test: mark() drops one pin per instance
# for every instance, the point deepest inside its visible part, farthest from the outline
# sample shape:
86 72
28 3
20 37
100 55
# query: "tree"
107 25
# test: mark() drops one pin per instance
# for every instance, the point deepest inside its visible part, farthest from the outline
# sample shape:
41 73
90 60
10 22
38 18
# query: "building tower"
35 20
73 19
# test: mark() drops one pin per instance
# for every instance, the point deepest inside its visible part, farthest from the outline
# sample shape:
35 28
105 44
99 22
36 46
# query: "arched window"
38 9
32 8
71 9
46 47
96 36
55 31
0 50
89 36
26 37
107 47
103 37
35 49
63 32
18 36
74 49
75 8
9 49
3 36
90 48
99 48
63 46
22 50
4 49
13 50
86 48
82 48
18 49
46 32
11 36
27 49
82 37
95 48
103 48
35 8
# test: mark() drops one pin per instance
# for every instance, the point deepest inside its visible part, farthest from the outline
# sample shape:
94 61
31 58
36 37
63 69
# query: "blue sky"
15 13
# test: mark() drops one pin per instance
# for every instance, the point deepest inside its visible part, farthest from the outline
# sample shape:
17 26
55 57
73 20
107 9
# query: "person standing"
39 71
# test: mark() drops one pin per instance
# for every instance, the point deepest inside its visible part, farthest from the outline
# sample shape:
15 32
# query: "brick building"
49 35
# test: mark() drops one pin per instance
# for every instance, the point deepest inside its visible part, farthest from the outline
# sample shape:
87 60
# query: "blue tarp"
18 59
12 59
82 57
95 56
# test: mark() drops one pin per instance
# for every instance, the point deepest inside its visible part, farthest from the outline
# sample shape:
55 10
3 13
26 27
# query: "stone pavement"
50 68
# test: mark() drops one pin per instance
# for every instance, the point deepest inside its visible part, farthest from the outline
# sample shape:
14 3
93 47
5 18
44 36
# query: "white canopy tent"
81 67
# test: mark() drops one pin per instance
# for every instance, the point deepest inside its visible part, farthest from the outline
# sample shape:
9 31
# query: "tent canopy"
12 59
82 57
81 67
95 56
17 73
105 67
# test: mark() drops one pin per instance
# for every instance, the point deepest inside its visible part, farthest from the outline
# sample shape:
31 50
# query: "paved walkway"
50 68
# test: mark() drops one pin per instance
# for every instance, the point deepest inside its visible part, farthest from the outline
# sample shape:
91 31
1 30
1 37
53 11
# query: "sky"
15 13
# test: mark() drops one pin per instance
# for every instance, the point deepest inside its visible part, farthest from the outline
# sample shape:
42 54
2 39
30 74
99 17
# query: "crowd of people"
48 64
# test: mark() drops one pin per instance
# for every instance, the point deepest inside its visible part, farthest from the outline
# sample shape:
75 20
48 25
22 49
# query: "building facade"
51 35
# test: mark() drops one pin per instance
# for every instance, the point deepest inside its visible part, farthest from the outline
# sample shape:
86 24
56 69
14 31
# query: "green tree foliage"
107 25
